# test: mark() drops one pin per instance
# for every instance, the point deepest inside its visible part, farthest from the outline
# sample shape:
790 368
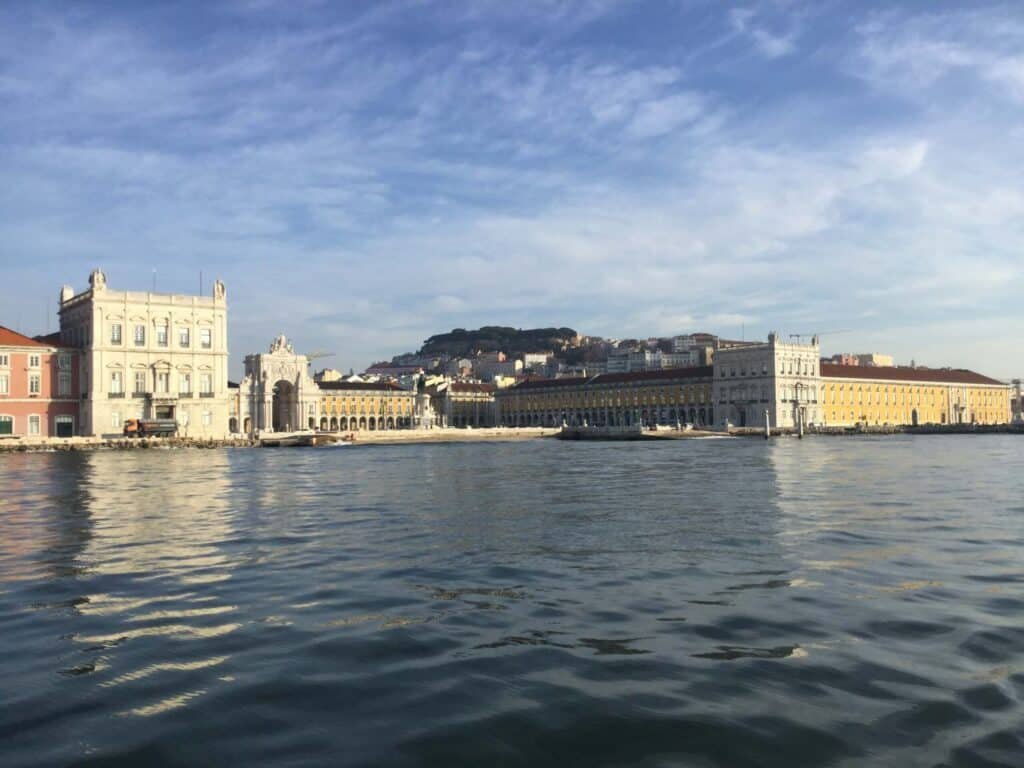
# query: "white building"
618 361
149 355
683 343
536 360
779 379
277 393
487 369
876 360
688 359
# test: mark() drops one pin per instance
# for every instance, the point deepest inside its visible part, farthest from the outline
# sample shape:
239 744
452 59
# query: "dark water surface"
711 603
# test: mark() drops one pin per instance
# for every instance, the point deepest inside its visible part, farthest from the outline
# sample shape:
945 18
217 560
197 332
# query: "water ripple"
716 603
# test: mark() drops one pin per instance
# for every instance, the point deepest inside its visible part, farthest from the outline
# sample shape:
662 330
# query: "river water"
831 601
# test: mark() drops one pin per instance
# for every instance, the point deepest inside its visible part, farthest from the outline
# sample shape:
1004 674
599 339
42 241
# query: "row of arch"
610 417
363 423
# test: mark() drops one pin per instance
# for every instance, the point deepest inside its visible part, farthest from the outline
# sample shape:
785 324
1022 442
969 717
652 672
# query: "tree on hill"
460 342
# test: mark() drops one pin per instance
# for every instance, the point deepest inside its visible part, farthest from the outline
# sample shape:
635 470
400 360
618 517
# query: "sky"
364 175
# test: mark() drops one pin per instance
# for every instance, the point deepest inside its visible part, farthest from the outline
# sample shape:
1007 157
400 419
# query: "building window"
64 426
34 384
115 419
6 425
185 383
140 382
206 338
115 333
33 361
206 383
63 384
207 418
161 335
64 361
116 383
183 337
5 361
163 382
5 384
33 425
140 335
183 417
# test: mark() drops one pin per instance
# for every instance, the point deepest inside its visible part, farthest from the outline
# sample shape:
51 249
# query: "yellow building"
854 395
677 395
353 406
463 403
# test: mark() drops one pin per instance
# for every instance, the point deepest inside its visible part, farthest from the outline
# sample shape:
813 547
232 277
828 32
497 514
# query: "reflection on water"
711 602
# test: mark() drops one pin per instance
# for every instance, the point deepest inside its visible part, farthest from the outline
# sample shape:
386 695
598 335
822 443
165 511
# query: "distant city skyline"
365 175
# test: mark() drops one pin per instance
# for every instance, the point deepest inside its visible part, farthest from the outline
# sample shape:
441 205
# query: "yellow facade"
661 397
364 408
849 402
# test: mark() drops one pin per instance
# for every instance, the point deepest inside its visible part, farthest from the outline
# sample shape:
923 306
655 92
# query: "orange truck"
150 428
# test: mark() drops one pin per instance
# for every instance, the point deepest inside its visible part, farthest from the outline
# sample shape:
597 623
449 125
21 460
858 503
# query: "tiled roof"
388 367
900 373
547 383
51 339
471 386
696 372
666 374
9 338
360 385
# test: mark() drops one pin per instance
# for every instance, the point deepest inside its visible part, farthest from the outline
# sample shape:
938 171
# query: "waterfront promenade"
493 434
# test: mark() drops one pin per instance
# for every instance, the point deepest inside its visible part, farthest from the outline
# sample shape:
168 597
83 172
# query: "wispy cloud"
771 44
927 51
364 178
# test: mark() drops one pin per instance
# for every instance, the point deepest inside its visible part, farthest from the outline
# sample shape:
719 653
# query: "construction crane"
800 336
317 355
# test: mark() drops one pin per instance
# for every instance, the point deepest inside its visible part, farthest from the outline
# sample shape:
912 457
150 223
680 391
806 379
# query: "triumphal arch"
277 393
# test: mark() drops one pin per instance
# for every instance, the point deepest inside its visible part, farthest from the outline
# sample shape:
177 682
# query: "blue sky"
363 175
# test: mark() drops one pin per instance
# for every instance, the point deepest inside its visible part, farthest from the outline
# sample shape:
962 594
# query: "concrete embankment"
448 435
451 435
411 436
618 434
44 445
887 429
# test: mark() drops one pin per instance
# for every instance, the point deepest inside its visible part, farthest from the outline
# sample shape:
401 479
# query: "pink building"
38 387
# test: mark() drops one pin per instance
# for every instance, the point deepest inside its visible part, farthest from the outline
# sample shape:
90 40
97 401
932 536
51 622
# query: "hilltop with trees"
495 338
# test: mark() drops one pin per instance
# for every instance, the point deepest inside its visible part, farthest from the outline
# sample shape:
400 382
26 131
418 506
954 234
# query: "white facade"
779 379
633 361
149 355
277 393
487 369
683 343
876 360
